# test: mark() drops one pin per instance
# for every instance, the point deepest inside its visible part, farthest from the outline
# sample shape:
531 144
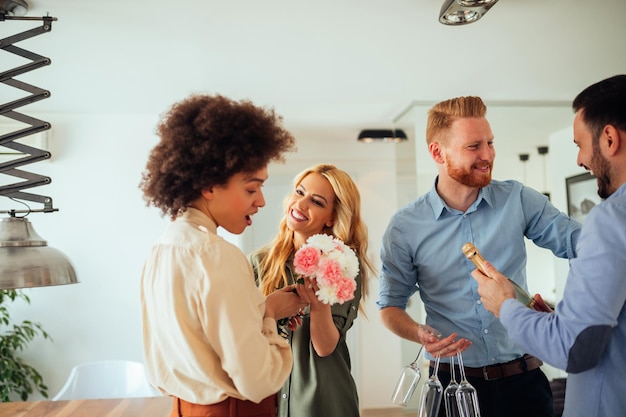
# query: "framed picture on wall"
582 195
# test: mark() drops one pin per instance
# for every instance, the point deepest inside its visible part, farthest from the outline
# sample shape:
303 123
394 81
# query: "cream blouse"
204 335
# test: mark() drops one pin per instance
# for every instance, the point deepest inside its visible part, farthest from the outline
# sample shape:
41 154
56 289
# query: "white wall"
562 165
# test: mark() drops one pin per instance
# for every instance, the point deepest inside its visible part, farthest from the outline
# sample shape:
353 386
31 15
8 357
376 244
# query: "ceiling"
327 64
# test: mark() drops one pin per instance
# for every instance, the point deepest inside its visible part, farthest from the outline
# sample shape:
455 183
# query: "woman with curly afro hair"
209 335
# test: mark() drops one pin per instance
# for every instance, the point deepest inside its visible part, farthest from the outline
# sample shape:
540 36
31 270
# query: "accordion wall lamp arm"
31 153
26 260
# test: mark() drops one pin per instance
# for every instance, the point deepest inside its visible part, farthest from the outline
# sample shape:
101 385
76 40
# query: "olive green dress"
319 387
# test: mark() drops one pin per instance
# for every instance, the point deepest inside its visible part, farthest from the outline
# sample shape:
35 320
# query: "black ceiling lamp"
26 260
382 135
462 12
523 157
543 151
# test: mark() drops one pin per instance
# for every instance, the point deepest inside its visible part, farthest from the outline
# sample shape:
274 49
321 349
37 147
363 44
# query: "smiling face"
232 205
590 156
310 208
468 153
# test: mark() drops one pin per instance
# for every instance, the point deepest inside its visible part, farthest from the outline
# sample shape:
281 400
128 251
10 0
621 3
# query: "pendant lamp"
462 12
382 135
26 260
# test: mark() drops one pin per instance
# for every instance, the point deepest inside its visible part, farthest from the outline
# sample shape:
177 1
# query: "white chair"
106 379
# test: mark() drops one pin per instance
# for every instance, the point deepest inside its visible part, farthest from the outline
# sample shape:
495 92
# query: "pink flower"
333 264
306 260
345 290
328 273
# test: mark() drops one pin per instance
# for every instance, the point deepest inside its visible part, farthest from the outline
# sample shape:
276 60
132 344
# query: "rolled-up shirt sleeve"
397 278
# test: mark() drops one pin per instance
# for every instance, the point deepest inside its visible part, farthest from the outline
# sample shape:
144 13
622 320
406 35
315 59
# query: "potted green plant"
17 378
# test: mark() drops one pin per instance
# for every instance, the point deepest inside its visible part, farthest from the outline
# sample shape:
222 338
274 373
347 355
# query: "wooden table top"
118 407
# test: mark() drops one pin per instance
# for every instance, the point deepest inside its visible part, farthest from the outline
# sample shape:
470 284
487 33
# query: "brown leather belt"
500 370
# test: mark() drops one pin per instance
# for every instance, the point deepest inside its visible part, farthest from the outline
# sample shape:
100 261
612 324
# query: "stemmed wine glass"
466 396
431 394
449 394
409 378
411 374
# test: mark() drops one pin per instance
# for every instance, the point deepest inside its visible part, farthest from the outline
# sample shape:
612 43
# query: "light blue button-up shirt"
421 251
587 334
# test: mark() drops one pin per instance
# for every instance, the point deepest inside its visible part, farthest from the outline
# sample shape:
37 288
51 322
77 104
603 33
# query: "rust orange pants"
230 407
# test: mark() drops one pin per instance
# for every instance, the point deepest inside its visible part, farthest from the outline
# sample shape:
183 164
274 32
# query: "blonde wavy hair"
347 226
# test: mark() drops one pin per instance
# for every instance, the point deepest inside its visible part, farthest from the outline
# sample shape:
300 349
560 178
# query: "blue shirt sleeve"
546 226
576 336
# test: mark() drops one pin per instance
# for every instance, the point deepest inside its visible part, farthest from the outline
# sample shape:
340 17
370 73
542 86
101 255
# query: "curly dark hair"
204 141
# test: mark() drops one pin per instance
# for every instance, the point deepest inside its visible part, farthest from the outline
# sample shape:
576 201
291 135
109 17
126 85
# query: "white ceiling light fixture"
462 12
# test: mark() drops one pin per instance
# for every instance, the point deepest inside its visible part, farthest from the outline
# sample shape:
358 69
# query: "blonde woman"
324 200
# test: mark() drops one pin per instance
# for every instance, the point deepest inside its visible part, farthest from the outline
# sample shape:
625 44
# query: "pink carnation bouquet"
332 263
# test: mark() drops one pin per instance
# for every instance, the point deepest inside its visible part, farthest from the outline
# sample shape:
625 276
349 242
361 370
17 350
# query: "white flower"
327 295
347 259
324 243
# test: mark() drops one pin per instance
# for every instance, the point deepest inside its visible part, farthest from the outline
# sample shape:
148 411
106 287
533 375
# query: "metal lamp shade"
27 261
461 12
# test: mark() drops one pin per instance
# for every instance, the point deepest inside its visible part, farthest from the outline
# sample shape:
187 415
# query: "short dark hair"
204 141
603 103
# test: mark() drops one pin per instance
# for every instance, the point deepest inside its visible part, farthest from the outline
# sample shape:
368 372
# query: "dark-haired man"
586 335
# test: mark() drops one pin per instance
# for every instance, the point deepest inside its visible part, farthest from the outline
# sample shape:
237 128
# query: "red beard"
469 177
